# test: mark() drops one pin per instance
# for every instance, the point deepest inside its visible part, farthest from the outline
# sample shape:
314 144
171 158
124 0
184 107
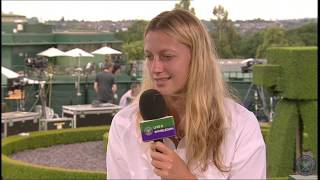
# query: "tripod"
259 103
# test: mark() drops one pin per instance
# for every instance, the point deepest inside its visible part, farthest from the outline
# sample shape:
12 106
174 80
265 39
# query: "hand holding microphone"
156 125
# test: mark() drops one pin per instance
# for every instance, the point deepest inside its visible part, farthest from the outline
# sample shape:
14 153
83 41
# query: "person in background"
105 85
216 137
116 69
129 96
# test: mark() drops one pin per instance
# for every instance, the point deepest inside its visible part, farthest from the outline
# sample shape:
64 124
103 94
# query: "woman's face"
168 62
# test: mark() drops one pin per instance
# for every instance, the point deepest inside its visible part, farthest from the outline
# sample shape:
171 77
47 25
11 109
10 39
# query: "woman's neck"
176 107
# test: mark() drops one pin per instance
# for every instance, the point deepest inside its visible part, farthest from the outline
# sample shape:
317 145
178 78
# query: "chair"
52 118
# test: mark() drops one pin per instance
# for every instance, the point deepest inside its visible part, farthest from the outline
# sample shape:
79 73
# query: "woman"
216 137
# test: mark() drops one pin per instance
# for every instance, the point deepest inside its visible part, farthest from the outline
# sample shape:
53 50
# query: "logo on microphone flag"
157 128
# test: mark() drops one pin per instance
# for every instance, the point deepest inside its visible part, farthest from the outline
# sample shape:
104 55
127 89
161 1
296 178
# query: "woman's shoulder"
125 117
238 115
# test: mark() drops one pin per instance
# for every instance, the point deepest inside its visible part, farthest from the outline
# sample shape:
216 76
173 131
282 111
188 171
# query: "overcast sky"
125 10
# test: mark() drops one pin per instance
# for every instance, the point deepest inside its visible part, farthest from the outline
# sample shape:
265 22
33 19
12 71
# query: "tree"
185 4
225 36
271 37
134 50
134 32
249 43
133 39
306 35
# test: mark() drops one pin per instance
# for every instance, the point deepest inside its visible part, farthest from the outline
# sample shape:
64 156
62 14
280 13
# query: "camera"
249 65
39 63
16 83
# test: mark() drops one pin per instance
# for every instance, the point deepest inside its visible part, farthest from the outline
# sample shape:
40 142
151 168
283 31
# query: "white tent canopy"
11 74
106 50
76 52
51 52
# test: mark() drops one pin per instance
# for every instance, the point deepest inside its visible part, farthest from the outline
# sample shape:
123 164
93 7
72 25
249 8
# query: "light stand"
259 100
43 99
89 68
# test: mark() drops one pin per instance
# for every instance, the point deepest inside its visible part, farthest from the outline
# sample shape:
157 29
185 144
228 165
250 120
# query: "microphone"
156 124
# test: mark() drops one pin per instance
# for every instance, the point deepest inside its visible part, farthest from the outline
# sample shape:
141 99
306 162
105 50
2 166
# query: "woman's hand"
167 164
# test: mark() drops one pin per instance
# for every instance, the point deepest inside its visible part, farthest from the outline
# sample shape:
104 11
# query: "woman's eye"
167 57
148 57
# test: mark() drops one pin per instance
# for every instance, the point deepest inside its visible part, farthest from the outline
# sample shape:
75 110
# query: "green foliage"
13 169
185 4
272 37
265 129
255 45
133 38
308 111
299 71
281 140
225 36
134 50
306 35
105 140
134 33
266 75
248 44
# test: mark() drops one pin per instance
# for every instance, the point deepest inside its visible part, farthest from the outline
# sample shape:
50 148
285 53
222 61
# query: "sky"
128 10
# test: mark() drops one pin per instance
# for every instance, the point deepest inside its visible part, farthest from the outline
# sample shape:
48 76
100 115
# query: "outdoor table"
84 109
17 116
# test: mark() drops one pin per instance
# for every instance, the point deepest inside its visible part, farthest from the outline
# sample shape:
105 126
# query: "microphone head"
152 105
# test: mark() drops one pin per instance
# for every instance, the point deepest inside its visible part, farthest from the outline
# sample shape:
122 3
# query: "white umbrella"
11 74
77 53
106 50
51 52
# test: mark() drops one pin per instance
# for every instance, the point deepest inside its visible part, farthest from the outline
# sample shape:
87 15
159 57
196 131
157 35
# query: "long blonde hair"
206 90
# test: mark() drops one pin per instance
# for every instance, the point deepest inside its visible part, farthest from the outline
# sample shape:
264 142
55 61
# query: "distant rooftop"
13 18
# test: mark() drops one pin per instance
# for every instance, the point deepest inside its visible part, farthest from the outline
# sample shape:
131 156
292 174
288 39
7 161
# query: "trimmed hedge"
105 141
265 129
298 78
291 72
13 169
266 75
310 126
282 139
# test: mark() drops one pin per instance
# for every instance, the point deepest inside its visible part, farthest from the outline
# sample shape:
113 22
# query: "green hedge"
13 169
265 129
281 140
309 115
105 141
266 75
298 71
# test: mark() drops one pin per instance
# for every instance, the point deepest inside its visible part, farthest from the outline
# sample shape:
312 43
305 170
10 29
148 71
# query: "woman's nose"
156 65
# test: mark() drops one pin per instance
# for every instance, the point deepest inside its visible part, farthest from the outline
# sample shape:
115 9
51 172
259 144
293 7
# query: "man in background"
105 85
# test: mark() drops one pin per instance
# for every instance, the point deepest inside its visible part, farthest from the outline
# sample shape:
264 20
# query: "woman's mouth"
162 80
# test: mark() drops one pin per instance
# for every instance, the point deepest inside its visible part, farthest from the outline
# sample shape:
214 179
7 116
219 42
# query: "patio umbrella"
11 75
51 52
77 53
106 50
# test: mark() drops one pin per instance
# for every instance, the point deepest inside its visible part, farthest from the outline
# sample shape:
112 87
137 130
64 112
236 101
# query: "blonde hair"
205 116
